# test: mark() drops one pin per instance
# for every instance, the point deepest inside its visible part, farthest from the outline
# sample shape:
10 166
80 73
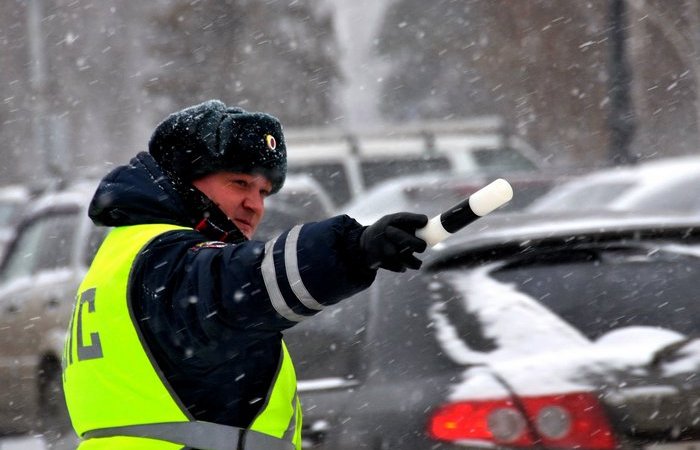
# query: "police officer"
175 340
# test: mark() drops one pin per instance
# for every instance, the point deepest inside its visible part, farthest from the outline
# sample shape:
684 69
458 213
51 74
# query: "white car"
301 200
433 193
49 255
348 163
13 199
668 184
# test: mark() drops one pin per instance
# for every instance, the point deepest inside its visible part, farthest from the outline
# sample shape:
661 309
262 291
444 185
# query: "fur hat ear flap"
211 137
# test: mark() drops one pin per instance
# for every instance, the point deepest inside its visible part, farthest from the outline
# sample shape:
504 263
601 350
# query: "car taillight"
573 420
488 420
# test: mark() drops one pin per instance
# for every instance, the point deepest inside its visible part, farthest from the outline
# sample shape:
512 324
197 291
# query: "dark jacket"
212 313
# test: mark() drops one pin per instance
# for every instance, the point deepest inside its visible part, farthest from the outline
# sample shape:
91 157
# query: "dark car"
520 332
301 200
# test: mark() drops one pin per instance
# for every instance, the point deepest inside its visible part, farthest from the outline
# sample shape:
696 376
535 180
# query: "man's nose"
254 201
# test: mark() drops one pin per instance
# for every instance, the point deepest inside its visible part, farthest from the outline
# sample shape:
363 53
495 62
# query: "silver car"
39 276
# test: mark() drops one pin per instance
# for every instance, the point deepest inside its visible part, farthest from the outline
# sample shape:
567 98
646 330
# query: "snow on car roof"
14 193
79 193
501 307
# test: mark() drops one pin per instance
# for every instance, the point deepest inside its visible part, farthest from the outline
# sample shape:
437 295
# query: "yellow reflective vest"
116 395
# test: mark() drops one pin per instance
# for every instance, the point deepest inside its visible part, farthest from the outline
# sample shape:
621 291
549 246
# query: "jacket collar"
141 193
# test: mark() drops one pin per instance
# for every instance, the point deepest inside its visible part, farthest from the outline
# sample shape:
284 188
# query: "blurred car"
348 163
301 200
433 193
669 184
44 264
13 200
522 331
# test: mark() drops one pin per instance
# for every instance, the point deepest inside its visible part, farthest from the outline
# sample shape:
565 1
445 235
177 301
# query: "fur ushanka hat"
211 137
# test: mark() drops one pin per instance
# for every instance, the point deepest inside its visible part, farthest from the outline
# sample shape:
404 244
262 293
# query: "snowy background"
84 82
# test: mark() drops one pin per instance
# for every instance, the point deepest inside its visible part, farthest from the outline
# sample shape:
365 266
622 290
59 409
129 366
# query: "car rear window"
601 289
376 170
502 159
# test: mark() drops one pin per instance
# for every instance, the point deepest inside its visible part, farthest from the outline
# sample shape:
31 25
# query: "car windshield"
502 159
376 170
331 176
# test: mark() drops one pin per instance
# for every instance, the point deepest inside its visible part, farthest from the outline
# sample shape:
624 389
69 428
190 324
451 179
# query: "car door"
371 368
36 275
61 268
407 369
15 277
326 351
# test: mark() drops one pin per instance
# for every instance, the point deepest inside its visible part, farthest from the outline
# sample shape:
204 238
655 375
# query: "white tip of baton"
481 202
490 197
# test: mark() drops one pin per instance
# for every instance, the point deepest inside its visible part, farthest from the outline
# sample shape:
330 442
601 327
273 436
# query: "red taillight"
560 421
488 420
586 425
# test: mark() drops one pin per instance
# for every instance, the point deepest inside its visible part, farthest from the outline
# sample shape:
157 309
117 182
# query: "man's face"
240 196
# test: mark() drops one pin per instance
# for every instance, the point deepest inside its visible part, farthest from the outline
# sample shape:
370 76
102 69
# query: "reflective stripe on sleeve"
273 290
293 275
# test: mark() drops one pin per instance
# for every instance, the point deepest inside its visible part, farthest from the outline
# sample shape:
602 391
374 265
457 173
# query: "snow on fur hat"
211 137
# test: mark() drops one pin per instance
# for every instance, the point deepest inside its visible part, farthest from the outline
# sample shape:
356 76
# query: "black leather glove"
390 242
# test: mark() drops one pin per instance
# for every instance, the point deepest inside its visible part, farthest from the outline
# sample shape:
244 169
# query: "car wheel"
54 422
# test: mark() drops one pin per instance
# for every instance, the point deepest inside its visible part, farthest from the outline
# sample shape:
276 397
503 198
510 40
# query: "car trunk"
636 304
595 334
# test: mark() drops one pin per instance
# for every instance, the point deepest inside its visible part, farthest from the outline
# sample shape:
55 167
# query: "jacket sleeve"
253 286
